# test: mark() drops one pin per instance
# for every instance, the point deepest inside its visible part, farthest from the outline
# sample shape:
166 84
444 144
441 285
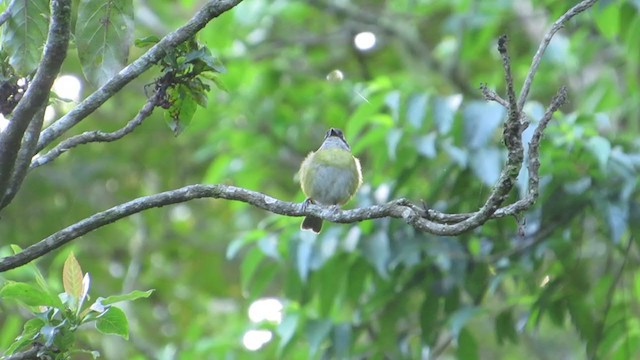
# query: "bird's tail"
312 223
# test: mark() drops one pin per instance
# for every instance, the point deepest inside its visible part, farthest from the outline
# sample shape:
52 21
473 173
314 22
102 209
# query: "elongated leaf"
135 294
467 346
286 330
104 32
113 321
24 34
428 318
28 294
317 332
72 278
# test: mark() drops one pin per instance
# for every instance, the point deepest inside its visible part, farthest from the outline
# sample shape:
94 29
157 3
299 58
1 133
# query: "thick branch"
582 6
37 93
6 14
97 136
27 150
208 12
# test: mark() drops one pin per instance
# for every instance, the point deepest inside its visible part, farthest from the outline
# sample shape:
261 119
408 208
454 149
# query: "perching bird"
329 176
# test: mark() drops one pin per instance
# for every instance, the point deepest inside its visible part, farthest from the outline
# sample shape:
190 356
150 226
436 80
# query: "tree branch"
419 217
37 93
208 12
30 354
99 136
6 14
25 154
580 7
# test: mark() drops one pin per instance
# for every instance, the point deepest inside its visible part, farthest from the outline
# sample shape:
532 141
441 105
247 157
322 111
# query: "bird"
329 176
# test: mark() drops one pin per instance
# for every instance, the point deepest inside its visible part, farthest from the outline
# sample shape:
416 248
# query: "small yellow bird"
329 176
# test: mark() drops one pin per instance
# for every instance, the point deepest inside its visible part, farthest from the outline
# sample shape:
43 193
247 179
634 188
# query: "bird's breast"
331 177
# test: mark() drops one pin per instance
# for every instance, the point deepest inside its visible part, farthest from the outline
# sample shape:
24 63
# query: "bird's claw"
306 203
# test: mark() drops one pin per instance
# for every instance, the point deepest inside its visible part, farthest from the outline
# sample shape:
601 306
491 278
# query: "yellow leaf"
72 277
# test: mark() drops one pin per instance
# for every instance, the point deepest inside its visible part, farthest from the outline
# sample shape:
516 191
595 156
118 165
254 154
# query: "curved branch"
37 93
580 7
97 136
401 208
207 13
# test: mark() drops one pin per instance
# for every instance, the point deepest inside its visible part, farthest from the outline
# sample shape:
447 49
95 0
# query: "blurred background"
401 78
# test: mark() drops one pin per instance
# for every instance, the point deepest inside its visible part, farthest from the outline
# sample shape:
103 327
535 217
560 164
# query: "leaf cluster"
57 317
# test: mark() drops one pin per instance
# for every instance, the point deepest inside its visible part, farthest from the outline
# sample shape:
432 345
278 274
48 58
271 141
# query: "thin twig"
491 95
97 136
582 6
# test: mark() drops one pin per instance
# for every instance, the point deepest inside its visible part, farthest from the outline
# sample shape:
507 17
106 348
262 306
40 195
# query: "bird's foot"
306 203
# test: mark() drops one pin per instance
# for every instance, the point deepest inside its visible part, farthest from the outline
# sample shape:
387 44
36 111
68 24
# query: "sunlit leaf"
72 278
134 295
28 294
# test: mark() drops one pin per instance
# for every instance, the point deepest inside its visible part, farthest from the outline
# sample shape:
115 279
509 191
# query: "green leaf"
249 266
30 331
304 252
317 332
342 337
104 30
444 109
461 317
183 107
113 321
505 328
601 150
582 317
72 278
36 272
426 145
429 313
134 295
378 251
146 41
467 346
416 109
24 34
286 330
28 294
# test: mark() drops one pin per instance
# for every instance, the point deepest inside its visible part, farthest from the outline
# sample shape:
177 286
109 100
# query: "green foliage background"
560 282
